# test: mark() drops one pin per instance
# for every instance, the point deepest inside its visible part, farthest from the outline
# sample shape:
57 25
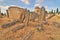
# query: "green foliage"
3 14
57 10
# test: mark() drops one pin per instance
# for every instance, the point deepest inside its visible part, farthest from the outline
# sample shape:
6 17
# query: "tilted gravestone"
26 37
51 16
41 17
24 17
9 24
56 24
18 28
33 16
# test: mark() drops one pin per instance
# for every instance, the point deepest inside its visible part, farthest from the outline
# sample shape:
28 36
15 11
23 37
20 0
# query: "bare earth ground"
50 32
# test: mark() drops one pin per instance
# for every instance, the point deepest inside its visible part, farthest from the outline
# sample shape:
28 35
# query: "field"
31 32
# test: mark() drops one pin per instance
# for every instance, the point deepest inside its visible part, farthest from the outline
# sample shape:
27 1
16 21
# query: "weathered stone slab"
51 16
9 24
56 24
39 26
18 28
26 37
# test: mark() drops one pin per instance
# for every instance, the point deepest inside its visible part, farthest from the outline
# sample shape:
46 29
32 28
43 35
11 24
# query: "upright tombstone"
41 17
24 16
21 14
38 11
33 16
27 17
14 12
43 14
7 14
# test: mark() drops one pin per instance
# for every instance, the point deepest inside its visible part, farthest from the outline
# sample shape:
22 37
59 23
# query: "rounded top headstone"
42 8
37 7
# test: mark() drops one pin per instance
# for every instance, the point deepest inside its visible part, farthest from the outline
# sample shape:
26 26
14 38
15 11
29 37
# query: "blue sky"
30 4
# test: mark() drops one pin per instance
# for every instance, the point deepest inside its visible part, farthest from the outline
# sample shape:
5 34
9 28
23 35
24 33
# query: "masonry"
14 12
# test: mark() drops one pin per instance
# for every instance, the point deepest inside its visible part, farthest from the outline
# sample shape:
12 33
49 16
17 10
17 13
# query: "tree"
52 11
57 10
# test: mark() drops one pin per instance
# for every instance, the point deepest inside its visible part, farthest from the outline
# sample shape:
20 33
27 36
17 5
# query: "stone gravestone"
24 17
38 11
33 16
14 12
43 11
41 17
10 24
27 18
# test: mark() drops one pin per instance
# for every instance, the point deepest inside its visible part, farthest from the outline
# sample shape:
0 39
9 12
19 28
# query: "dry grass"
50 32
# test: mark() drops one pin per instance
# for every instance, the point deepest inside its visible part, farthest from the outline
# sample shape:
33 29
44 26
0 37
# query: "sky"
30 4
